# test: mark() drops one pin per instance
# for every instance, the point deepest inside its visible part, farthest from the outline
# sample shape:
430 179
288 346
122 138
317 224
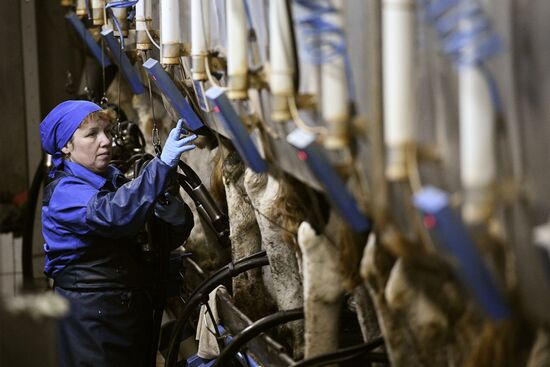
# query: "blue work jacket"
89 223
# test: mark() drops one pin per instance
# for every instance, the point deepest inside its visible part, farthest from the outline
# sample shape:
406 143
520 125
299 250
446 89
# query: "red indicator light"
216 109
302 155
429 221
153 77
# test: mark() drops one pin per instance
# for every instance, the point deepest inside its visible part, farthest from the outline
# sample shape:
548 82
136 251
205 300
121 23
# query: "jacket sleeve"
123 212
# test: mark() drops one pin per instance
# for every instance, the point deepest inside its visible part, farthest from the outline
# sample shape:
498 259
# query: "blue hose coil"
464 30
119 4
466 35
324 41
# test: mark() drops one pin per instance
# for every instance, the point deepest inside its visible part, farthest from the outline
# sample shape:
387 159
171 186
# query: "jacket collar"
97 181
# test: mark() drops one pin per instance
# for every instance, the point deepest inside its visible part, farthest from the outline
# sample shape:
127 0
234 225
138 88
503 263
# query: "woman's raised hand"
175 145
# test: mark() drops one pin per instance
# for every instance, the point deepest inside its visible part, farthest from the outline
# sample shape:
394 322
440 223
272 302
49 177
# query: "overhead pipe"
81 10
469 40
324 46
200 43
477 145
143 23
281 59
170 48
237 50
98 12
398 73
334 88
121 15
375 108
200 38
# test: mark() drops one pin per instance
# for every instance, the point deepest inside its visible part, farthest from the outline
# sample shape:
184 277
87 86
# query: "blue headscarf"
59 126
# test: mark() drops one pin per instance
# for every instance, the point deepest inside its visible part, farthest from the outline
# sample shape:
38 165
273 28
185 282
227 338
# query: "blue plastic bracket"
120 58
244 359
196 361
338 194
454 237
171 92
88 39
199 91
235 127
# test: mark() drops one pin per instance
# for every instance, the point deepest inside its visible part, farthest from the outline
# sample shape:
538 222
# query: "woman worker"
90 217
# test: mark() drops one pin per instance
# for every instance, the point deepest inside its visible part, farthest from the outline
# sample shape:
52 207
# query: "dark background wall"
59 60
13 146
38 69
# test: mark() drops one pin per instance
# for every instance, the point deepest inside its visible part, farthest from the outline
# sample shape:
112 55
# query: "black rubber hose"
28 233
201 293
255 329
141 162
190 174
346 354
135 131
185 185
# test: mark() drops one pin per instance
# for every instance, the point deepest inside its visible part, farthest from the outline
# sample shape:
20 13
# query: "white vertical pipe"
200 36
477 136
140 11
170 31
81 8
98 7
281 59
143 22
140 17
334 92
398 69
237 50
148 9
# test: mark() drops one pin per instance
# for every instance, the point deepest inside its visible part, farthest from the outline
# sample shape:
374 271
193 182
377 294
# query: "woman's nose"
105 139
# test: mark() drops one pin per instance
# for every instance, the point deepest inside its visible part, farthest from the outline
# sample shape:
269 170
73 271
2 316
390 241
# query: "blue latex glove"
175 145
174 212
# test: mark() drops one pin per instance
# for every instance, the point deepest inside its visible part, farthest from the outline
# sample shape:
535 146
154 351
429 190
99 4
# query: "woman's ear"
65 150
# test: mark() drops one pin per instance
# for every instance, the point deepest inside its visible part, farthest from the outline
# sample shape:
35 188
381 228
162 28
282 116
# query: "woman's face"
90 146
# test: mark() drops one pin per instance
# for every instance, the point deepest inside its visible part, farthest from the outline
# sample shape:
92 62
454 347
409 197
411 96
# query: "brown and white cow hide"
119 93
422 313
249 290
540 352
262 190
202 241
366 313
323 291
142 105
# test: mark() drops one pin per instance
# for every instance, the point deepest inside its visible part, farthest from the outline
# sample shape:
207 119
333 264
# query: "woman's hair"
101 115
